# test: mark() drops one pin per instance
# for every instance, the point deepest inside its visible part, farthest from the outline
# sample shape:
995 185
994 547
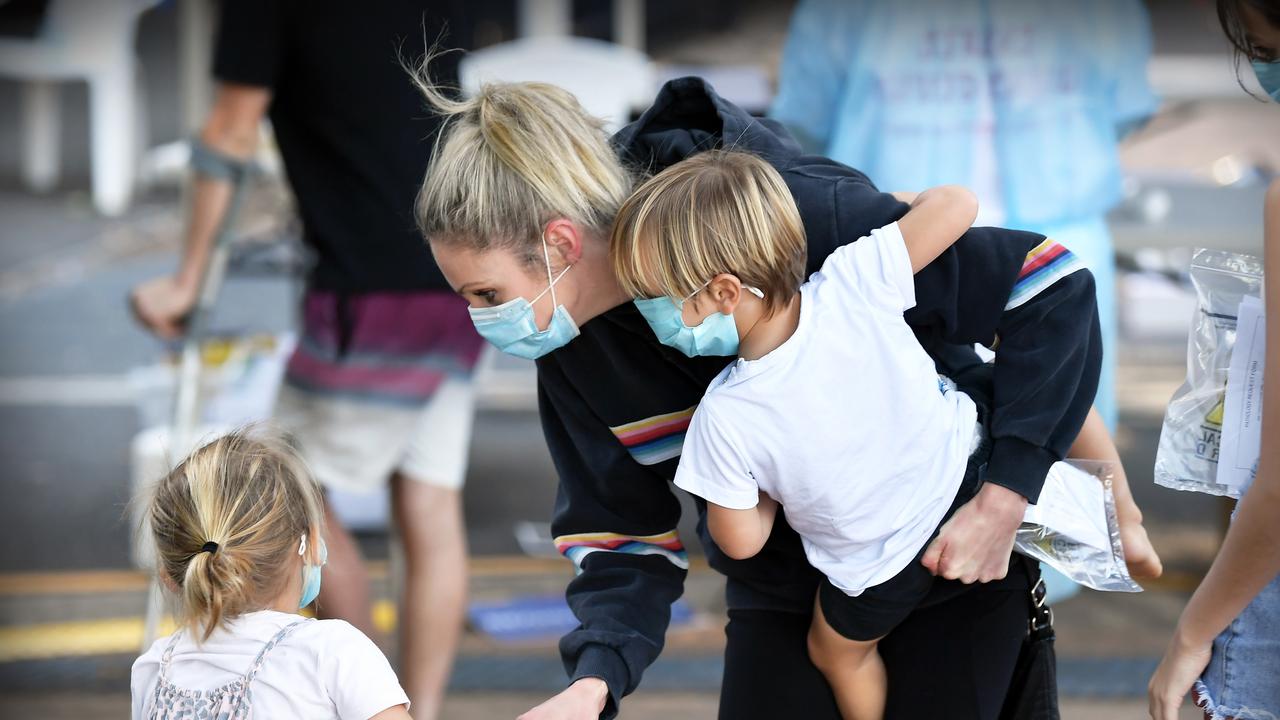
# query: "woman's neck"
759 335
598 287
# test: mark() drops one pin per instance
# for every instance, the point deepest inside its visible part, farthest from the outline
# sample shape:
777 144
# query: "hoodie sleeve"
615 519
1021 294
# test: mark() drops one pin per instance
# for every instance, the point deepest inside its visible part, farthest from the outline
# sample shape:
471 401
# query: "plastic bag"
1187 458
240 380
1073 527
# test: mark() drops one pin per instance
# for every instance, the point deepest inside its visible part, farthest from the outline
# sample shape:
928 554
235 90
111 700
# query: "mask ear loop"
551 282
753 290
702 287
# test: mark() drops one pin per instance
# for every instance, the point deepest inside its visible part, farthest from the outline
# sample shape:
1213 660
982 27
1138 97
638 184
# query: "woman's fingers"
933 555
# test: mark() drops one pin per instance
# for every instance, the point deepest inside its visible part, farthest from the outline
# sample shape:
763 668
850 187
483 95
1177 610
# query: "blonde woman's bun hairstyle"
510 159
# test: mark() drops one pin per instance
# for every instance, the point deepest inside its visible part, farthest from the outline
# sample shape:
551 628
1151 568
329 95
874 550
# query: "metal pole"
545 18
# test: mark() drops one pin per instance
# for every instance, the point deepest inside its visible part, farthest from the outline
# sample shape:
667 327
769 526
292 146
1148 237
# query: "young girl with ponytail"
236 528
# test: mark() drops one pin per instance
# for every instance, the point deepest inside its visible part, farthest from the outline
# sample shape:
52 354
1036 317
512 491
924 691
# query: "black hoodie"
615 402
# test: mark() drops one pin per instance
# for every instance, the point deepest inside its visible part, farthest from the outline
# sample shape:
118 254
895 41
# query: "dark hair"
1231 16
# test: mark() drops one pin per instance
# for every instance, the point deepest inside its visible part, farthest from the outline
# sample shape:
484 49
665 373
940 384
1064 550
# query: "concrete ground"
484 706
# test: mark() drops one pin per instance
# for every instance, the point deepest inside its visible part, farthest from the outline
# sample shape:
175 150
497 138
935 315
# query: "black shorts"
880 608
953 658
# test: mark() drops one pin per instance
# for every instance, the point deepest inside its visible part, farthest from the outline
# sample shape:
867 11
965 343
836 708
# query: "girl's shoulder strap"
167 657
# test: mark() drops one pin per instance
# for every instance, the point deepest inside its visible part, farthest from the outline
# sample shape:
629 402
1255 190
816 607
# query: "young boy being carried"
832 410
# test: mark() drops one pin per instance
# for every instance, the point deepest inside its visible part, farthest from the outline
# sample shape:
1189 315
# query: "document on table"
1072 503
1242 414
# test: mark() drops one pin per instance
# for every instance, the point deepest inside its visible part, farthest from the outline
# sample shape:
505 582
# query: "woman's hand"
976 543
1182 663
583 700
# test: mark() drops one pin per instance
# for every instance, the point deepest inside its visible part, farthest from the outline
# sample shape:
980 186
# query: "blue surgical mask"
311 573
511 327
1268 77
715 335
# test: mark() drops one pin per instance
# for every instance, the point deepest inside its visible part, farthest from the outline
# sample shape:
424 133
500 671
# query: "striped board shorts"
382 383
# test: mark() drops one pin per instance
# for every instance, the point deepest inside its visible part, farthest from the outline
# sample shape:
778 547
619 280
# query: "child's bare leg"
853 668
1094 443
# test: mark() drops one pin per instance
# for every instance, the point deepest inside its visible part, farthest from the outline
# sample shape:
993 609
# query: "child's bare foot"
1139 555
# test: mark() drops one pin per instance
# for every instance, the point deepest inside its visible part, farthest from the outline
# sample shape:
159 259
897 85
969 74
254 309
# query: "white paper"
1072 503
1242 411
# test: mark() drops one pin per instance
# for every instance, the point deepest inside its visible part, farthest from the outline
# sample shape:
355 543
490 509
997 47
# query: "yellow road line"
85 582
124 635
92 582
74 639
111 636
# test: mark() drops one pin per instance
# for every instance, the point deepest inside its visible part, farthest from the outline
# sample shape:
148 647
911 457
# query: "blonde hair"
249 493
509 160
716 212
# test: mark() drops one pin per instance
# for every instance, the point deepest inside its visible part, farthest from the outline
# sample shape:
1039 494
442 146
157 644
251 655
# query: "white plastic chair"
609 80
90 40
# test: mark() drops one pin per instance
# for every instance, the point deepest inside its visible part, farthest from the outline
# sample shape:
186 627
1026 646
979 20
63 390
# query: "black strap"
1040 625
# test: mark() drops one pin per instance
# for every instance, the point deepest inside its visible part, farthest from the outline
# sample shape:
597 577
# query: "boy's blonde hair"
511 159
716 212
249 493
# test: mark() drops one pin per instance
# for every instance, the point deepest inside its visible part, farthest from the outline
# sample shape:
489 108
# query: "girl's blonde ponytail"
227 523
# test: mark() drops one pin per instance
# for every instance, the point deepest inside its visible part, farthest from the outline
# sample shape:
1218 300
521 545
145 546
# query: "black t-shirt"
354 132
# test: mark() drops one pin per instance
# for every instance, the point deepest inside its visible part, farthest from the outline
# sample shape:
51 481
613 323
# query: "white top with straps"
266 664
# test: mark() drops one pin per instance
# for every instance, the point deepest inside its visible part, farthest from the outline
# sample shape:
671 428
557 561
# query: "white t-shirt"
322 669
846 424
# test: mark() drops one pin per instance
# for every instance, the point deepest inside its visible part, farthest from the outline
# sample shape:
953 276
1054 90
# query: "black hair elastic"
209 547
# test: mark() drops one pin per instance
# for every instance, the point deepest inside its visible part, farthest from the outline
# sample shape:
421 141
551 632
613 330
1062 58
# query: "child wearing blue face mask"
236 528
833 410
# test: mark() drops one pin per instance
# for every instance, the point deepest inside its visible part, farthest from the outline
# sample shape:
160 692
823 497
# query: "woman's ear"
564 241
725 291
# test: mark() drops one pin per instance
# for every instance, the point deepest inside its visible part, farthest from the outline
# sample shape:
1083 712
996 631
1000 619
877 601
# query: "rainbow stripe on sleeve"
655 439
667 544
1047 263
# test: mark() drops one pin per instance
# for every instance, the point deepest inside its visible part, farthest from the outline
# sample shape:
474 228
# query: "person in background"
998 96
237 534
1023 101
1227 641
380 385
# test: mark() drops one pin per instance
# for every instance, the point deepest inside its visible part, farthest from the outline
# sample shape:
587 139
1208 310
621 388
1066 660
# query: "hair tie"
209 547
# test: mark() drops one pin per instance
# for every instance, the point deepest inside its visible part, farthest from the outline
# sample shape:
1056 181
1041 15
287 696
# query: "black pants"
951 659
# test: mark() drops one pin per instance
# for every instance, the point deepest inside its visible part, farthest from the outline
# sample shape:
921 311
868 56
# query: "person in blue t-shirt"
1024 102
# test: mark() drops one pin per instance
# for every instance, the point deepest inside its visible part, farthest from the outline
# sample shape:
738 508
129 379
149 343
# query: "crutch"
213 165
